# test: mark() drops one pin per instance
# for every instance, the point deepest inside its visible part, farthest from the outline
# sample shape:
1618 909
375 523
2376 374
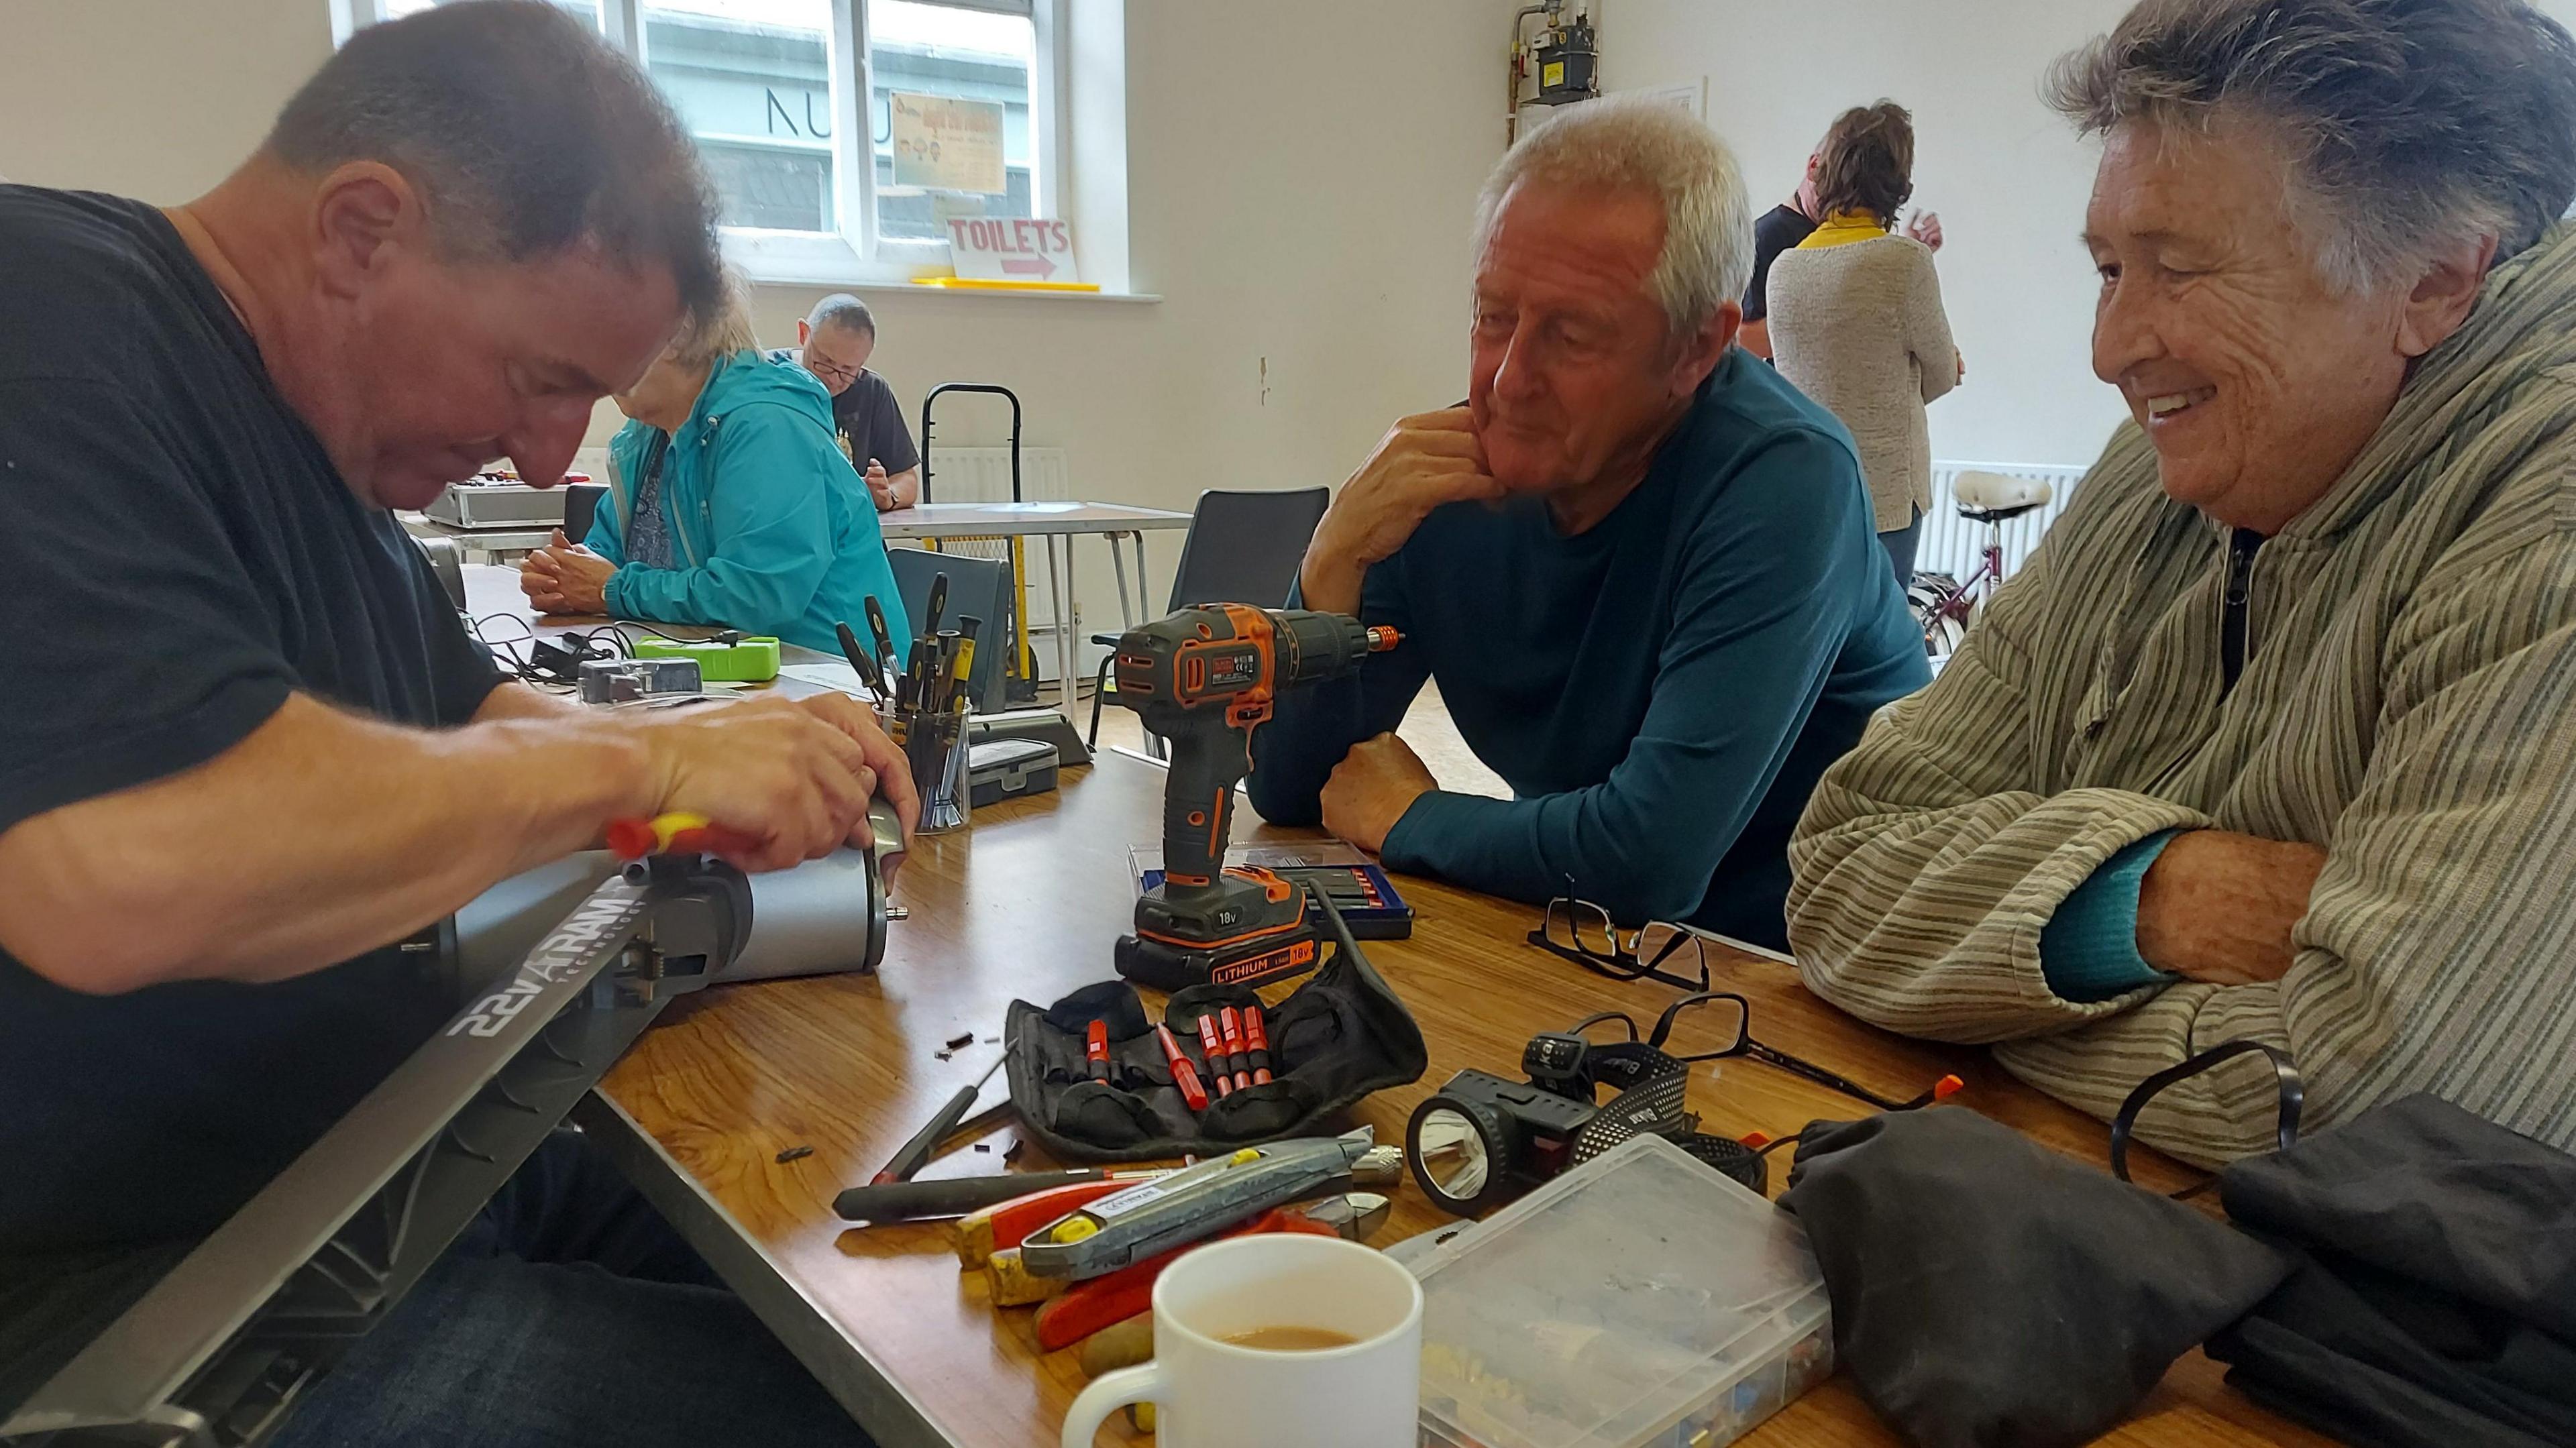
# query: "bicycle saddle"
1993 497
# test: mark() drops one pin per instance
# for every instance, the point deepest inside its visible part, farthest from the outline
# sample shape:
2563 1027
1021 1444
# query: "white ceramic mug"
1210 1393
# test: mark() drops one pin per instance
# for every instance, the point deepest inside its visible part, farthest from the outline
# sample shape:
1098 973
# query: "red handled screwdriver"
1185 1076
1237 1054
1257 1036
1213 1043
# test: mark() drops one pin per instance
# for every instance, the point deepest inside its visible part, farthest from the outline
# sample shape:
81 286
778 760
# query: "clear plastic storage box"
1639 1301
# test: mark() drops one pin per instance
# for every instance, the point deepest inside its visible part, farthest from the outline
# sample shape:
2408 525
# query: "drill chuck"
1317 647
1236 658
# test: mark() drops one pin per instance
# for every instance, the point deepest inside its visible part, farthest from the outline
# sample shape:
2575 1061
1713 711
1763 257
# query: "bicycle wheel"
1934 599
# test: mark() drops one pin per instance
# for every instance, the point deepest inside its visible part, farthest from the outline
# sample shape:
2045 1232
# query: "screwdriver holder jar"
934 744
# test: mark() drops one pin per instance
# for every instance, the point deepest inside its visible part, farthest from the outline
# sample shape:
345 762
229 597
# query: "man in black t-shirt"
1777 230
834 343
275 751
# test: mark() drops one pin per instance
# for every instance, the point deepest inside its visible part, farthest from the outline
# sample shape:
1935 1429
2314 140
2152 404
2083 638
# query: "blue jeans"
1900 544
569 1313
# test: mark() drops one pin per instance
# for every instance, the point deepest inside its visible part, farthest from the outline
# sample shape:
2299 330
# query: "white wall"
1302 210
1300 176
2007 177
149 98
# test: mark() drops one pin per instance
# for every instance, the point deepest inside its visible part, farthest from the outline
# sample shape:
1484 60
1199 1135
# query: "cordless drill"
1204 679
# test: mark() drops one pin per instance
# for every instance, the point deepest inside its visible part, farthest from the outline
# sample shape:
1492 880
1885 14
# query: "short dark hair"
2407 122
1867 162
840 309
525 133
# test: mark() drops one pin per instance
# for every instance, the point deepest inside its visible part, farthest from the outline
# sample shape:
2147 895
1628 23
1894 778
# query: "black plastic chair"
977 588
1241 548
581 505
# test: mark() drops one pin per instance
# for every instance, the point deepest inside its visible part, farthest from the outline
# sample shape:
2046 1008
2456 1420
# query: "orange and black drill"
1204 679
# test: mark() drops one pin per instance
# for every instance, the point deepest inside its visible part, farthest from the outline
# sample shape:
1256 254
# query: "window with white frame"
958 118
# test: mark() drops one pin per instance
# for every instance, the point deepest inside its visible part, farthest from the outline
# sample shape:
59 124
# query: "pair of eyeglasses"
837 375
1720 1027
1659 950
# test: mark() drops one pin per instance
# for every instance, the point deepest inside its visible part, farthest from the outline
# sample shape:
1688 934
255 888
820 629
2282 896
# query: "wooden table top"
1026 904
999 520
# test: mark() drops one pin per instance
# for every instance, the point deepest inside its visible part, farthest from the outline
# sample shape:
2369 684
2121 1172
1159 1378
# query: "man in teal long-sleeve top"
1639 565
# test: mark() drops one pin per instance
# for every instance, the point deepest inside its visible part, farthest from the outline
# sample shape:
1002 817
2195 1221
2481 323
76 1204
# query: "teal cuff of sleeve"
1416 835
624 599
2089 949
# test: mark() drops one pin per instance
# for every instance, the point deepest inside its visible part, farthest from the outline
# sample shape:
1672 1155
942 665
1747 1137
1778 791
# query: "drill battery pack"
1364 893
1165 966
1251 930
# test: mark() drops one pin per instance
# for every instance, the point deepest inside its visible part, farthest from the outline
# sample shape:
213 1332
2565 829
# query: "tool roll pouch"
1340 1036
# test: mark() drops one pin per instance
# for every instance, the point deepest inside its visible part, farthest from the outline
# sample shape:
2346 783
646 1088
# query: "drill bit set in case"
1339 1036
1358 887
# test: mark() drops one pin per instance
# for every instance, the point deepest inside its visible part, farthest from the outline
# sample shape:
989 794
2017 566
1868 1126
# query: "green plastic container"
753 661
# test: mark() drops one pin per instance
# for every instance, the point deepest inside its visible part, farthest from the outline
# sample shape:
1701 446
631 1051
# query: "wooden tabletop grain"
1026 905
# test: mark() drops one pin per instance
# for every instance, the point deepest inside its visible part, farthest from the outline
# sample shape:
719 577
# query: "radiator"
983 475
1954 545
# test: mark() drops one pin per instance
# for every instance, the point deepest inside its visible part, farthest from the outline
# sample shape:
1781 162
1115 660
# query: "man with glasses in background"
834 343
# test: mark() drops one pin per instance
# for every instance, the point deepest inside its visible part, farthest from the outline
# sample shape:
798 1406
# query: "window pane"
588 10
752 80
972 57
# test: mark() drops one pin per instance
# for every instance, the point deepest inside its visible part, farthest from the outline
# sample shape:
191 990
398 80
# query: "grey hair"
524 134
1636 144
840 309
722 328
2410 124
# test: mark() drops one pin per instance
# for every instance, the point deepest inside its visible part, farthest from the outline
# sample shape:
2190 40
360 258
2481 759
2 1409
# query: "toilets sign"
1012 249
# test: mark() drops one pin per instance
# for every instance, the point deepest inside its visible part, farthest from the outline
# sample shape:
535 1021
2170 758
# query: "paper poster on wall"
1013 249
1690 96
942 143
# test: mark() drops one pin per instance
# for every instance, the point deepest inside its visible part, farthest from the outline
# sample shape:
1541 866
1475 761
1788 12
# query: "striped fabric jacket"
2409 704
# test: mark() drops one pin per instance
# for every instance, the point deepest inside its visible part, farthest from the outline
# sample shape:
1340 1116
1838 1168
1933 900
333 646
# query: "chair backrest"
448 562
581 505
1245 547
977 587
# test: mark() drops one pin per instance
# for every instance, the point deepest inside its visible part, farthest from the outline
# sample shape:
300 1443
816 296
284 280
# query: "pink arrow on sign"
1029 266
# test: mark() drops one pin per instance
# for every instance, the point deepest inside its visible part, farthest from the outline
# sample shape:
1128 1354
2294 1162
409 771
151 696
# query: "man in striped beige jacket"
2276 738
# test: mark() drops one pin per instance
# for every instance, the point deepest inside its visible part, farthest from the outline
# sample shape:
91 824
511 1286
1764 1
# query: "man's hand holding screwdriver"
795 774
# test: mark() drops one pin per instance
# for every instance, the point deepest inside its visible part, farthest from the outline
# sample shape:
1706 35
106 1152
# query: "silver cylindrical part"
824 916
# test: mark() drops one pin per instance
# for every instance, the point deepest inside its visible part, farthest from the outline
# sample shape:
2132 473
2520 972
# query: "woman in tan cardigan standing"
1856 319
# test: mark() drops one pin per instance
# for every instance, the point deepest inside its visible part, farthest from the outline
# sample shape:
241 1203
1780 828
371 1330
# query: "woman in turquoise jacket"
729 505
